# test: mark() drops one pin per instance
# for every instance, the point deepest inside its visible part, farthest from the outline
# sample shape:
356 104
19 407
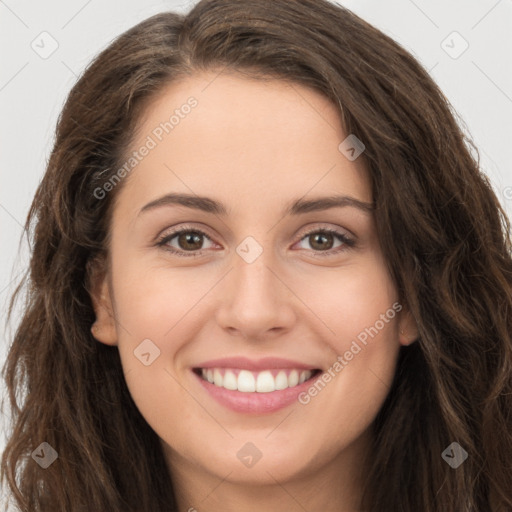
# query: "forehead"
246 141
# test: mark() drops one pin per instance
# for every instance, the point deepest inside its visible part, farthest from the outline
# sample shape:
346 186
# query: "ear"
104 328
407 327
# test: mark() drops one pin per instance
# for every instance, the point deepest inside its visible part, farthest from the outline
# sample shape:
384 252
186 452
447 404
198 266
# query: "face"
296 292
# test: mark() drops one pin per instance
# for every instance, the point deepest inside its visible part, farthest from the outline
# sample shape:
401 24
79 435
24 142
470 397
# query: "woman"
263 372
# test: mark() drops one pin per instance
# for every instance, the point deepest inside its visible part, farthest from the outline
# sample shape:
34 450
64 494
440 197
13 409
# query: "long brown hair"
441 228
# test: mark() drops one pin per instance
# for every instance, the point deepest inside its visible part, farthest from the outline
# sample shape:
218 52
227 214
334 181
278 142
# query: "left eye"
190 241
319 236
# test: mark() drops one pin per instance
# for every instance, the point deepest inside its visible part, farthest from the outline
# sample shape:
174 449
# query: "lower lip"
255 403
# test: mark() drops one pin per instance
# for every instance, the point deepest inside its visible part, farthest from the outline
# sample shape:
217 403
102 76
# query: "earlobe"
104 328
408 329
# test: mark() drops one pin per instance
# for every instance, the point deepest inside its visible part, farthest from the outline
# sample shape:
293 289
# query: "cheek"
352 390
153 305
360 308
351 299
150 302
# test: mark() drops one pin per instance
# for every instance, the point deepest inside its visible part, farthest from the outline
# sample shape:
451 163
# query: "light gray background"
478 83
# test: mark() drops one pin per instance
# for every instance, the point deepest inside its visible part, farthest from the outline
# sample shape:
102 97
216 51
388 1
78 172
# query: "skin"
254 146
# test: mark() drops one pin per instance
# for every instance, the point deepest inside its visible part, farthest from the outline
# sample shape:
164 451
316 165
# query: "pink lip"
255 403
243 363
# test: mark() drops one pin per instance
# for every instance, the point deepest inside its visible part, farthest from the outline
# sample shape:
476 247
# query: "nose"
256 302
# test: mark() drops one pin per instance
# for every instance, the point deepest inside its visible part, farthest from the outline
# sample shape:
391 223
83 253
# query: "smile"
245 381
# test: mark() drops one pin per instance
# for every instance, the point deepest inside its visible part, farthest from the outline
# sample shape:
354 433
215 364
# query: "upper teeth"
249 382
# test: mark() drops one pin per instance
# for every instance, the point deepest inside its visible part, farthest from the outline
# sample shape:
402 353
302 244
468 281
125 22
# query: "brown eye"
321 241
190 240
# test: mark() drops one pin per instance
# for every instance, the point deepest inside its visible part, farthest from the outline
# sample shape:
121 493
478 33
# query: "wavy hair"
444 235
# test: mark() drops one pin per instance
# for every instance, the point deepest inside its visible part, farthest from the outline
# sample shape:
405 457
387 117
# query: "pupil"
317 238
189 239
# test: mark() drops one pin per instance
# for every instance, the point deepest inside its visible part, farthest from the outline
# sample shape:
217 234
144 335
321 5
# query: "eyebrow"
297 207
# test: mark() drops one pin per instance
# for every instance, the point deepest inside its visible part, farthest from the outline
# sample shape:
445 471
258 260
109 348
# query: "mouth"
265 381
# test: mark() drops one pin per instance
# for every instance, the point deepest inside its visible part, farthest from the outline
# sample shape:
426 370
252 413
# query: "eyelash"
165 239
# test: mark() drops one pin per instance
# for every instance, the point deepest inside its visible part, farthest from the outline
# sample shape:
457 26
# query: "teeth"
230 381
246 382
265 383
281 381
293 379
250 382
217 377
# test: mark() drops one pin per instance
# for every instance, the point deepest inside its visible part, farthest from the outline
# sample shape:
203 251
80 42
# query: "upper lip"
266 363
